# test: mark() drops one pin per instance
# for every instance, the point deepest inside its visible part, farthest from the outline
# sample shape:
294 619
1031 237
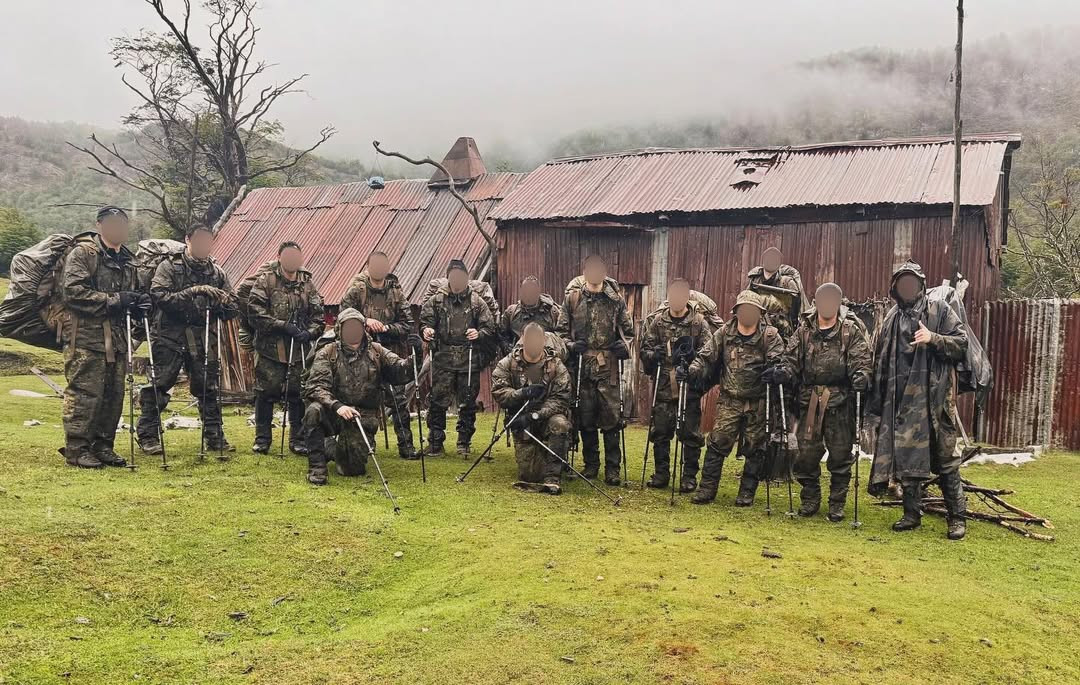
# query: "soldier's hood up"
545 302
908 267
301 274
389 283
348 314
611 286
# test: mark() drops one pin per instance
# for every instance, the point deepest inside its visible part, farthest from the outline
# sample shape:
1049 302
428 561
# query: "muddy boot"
612 457
317 475
662 465
316 454
264 418
150 446
688 478
706 492
463 450
710 476
108 456
551 486
810 496
81 458
912 517
952 488
435 442
590 453
217 445
747 490
838 490
408 452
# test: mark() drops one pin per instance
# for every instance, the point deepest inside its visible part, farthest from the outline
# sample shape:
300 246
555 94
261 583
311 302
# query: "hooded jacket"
387 304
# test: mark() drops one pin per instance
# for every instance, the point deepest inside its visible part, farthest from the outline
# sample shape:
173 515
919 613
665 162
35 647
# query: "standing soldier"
532 374
375 293
99 285
455 321
595 325
781 284
744 355
186 286
346 383
829 360
286 314
532 306
671 340
921 342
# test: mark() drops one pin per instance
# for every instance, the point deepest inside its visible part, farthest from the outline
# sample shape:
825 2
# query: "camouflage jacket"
513 373
93 275
517 316
597 318
451 315
658 338
837 358
786 306
736 362
340 375
182 317
386 304
275 302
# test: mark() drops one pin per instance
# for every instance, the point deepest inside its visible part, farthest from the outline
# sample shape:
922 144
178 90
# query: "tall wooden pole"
958 126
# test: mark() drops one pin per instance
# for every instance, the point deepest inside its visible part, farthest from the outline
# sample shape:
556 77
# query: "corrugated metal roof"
418 226
893 171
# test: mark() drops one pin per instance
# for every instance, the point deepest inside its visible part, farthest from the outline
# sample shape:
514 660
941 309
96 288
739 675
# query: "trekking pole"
152 373
220 382
131 394
770 451
652 418
858 453
783 443
678 440
614 500
202 400
505 428
419 418
371 451
622 425
577 407
285 396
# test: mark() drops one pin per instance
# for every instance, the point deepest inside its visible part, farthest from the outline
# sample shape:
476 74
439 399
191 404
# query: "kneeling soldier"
346 382
532 375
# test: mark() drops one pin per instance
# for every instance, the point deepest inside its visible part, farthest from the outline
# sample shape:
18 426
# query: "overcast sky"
416 74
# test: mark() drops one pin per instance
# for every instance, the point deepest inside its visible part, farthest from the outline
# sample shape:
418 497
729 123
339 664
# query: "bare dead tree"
217 82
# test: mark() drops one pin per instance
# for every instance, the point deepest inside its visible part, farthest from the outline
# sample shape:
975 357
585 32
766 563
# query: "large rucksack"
150 254
245 333
489 350
33 310
974 373
699 303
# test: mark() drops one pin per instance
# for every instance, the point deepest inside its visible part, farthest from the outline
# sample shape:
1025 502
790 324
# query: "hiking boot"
810 504
297 446
688 485
659 481
408 452
836 512
150 446
109 457
591 471
706 493
952 489
551 486
612 480
219 445
260 447
463 450
747 491
435 449
912 517
317 475
81 459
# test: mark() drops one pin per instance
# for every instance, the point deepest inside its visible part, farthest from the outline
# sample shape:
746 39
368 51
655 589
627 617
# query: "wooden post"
958 126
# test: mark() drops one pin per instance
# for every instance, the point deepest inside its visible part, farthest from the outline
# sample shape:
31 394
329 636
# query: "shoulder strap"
332 352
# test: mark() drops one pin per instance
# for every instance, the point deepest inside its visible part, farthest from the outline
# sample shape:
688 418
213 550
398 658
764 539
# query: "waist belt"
815 410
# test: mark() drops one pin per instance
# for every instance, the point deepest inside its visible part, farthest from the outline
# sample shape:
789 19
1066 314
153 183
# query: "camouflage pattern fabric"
790 307
837 433
168 363
517 316
735 362
93 401
736 419
275 302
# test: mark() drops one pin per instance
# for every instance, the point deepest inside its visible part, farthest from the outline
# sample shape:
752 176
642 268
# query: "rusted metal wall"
1033 347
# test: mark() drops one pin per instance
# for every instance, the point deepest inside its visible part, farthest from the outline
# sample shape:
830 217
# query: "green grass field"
243 573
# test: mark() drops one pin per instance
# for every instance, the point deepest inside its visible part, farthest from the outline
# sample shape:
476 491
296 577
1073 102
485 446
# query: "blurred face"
459 280
748 315
200 243
828 304
908 287
352 332
115 229
595 271
770 261
378 266
678 295
529 293
532 342
292 259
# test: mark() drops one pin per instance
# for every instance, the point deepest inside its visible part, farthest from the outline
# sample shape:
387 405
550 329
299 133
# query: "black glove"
520 422
142 306
579 347
656 354
303 337
534 391
860 383
683 350
225 313
292 330
618 348
415 341
681 374
128 299
775 375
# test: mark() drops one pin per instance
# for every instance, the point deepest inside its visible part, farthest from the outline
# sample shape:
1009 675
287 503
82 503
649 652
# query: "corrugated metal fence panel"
1036 399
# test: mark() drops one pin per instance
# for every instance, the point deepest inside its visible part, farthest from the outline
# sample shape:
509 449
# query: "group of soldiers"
559 378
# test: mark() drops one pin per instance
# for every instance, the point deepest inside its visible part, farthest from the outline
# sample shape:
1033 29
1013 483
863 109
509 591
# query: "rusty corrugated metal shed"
894 171
419 226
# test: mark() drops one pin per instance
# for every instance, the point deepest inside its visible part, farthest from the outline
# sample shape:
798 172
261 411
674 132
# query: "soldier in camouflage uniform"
783 311
345 383
743 355
532 306
596 327
920 343
286 315
185 286
99 284
829 360
671 340
454 320
532 373
375 293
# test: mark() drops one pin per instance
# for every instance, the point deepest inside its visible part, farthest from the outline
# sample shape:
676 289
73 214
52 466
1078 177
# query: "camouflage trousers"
451 384
270 375
93 401
837 435
691 437
534 464
397 403
598 401
735 419
168 363
351 451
